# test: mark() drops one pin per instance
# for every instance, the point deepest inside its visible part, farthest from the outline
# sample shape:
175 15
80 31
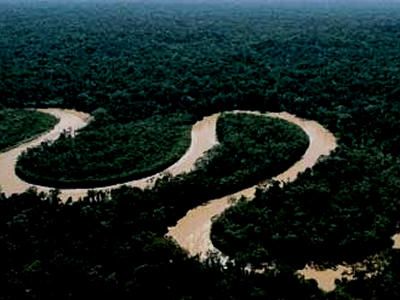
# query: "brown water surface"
192 232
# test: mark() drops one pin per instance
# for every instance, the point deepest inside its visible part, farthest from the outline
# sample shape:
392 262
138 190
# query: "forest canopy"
337 64
108 154
20 125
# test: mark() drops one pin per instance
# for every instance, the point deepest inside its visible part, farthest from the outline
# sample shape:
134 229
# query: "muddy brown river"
203 138
192 232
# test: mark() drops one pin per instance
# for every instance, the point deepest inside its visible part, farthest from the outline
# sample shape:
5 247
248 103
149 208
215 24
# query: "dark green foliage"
337 64
113 249
252 148
108 154
226 168
384 285
338 211
20 125
209 181
135 58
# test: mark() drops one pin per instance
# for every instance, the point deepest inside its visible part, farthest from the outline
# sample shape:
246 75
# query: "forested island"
146 72
108 154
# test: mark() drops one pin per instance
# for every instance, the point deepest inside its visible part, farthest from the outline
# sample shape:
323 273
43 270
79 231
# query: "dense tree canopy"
108 154
19 125
102 248
308 220
129 63
252 148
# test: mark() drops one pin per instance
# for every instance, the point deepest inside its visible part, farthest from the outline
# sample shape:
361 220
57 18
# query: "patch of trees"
251 149
336 64
100 247
327 64
105 154
344 209
20 125
383 284
113 246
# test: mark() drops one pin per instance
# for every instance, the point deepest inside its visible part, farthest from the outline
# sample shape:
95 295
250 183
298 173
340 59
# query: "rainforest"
199 149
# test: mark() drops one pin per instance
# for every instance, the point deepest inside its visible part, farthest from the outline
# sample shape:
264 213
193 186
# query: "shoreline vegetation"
106 155
319 204
19 126
125 62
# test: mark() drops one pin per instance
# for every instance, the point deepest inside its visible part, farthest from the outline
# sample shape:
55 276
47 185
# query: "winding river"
192 232
203 138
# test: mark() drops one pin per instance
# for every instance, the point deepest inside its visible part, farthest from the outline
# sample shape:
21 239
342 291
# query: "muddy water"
396 240
203 138
326 278
192 232
9 181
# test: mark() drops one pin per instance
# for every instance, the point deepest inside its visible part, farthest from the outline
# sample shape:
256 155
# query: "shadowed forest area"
19 125
134 65
109 154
